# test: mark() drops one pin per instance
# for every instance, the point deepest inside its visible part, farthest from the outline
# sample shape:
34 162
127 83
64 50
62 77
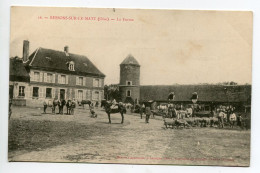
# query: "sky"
172 46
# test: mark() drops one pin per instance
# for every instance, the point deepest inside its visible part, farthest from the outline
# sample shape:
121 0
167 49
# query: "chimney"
66 49
25 50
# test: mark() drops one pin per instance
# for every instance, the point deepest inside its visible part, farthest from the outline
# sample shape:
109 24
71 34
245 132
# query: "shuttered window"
36 76
95 82
21 91
49 77
48 92
80 95
35 91
62 79
95 95
80 80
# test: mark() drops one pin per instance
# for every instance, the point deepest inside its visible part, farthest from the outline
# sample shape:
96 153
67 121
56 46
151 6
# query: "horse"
232 119
108 109
53 105
83 102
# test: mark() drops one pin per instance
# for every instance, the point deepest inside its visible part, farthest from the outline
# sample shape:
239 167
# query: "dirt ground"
34 136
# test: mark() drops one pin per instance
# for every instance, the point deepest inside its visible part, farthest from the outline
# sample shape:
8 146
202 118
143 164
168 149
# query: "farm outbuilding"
237 95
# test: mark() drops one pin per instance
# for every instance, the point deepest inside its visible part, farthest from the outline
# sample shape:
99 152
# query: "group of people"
176 111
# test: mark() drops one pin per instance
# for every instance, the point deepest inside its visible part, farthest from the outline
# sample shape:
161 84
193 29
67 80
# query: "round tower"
130 80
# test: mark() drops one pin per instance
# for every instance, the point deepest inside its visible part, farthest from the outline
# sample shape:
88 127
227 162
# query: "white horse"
232 119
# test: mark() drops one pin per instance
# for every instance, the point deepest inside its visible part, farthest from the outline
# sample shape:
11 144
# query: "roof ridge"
34 55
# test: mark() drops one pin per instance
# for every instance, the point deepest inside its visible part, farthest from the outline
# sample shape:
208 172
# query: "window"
80 80
49 77
128 93
71 66
36 76
35 91
128 82
48 92
63 79
96 83
80 94
21 91
96 95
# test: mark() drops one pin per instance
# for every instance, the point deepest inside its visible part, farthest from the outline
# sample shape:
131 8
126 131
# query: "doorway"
62 94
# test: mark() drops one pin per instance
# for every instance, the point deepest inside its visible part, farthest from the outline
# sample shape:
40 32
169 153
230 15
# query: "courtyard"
34 136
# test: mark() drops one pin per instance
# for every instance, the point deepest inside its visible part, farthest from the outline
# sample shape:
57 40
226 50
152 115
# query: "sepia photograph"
130 86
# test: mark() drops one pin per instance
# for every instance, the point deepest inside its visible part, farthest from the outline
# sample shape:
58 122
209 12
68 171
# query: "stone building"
129 85
60 75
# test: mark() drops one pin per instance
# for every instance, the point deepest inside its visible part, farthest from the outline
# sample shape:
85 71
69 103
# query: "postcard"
130 86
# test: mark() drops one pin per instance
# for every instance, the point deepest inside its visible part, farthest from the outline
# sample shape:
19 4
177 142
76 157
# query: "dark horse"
120 109
83 102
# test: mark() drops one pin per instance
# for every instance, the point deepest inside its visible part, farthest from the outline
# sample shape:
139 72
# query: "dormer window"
71 66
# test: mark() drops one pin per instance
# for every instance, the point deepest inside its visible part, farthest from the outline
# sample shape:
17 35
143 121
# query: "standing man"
142 110
44 106
147 112
73 106
63 103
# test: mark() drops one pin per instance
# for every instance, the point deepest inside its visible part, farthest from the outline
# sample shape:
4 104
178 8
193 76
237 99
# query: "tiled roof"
206 93
54 60
18 71
130 60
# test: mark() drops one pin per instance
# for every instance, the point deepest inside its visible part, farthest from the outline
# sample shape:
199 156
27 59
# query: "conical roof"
130 60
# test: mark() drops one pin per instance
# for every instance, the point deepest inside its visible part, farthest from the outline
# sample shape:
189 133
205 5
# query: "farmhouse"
207 95
49 74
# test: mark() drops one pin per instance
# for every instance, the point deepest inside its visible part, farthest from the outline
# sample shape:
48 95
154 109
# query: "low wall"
19 102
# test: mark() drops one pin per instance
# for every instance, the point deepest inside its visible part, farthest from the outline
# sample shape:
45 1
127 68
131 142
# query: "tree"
112 92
